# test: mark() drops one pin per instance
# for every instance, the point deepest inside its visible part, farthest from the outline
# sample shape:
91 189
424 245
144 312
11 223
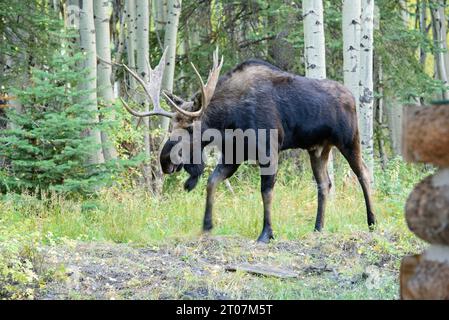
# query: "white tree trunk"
170 42
88 48
131 40
315 48
104 70
315 51
440 38
160 14
423 29
120 45
442 14
366 123
352 14
143 58
72 15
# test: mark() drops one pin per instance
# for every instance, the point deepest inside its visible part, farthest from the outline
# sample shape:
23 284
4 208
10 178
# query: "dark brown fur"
310 114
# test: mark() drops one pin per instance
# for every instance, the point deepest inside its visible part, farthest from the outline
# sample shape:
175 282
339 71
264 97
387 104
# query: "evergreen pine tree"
46 147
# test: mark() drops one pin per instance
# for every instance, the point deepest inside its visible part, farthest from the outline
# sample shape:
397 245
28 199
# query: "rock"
426 277
427 209
426 135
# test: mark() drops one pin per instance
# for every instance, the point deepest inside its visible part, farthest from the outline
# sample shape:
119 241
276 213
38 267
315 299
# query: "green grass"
135 217
129 216
125 216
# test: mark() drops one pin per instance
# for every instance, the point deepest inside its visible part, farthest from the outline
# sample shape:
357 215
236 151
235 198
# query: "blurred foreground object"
426 140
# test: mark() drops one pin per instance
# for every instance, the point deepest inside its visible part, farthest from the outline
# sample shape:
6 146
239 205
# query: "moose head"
183 113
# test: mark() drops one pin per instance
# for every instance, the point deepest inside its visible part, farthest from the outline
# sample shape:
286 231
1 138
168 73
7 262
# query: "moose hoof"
265 237
207 227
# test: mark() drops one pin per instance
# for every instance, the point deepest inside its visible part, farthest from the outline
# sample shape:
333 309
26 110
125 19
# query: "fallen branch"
265 271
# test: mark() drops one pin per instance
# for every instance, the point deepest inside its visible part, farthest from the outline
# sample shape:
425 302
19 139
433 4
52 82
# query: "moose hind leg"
267 185
319 161
221 173
354 157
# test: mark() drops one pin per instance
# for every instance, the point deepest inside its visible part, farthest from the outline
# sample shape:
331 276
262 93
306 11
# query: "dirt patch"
197 269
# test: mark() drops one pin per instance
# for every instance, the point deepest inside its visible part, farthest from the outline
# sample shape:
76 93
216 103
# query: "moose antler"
152 88
207 90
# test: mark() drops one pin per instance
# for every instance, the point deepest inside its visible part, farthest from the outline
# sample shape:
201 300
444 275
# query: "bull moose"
315 115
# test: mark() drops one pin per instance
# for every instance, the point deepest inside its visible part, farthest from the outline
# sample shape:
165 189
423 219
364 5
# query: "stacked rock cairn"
426 140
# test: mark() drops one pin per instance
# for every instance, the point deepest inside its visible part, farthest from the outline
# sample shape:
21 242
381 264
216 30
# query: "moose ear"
196 98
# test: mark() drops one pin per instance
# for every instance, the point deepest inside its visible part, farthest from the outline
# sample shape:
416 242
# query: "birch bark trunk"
315 58
104 70
130 14
143 58
439 28
119 44
423 29
170 42
352 14
366 99
160 14
88 48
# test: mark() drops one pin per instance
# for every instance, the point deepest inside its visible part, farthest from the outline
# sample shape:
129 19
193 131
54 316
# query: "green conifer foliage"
44 147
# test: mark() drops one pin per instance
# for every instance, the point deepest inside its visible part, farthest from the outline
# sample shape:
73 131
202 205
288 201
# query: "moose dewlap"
427 209
426 134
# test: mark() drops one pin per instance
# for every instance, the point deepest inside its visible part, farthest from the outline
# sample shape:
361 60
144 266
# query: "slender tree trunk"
442 15
160 14
315 47
170 43
424 31
104 70
394 118
380 101
352 13
119 44
315 51
440 39
72 15
88 47
143 58
366 122
380 114
130 13
159 9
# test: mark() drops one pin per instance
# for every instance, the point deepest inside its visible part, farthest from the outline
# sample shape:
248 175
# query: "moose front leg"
267 185
221 173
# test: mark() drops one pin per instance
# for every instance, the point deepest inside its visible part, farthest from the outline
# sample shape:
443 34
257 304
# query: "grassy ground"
125 244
